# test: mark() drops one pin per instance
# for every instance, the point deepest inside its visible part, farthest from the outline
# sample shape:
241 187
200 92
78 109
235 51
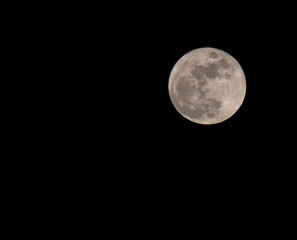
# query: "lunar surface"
207 86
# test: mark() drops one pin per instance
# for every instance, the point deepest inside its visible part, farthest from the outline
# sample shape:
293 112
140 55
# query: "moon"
207 86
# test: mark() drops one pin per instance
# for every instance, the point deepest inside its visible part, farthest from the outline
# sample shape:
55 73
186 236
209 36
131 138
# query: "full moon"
207 86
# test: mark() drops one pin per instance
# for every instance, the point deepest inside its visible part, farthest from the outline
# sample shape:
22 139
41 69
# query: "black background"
97 122
148 44
164 159
109 69
107 74
150 146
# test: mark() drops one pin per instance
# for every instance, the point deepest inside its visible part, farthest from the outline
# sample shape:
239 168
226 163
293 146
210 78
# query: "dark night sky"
94 103
120 64
92 129
114 68
154 41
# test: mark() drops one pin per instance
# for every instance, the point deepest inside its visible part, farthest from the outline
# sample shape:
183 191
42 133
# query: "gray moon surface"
207 86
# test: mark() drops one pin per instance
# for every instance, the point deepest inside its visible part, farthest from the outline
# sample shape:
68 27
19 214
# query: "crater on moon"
202 85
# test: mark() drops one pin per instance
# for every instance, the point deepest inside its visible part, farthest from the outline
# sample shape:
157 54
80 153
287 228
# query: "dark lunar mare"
184 88
205 107
212 70
198 72
223 63
213 55
208 107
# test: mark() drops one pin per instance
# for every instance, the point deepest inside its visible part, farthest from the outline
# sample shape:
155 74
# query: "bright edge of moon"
207 86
